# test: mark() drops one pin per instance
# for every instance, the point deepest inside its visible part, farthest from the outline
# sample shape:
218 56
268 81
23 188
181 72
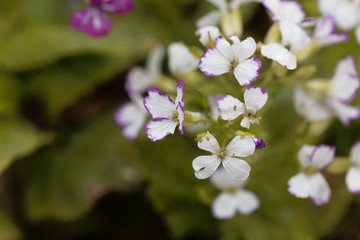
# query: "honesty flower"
232 57
329 99
181 60
166 113
93 20
280 54
310 183
207 34
325 32
254 98
291 18
233 197
131 116
353 175
139 79
237 168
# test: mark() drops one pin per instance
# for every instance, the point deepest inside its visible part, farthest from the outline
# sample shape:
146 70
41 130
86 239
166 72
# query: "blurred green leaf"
63 181
19 138
10 93
8 229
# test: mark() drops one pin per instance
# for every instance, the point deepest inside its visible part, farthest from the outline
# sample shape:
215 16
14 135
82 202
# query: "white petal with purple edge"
344 112
255 98
240 147
223 181
159 105
247 202
159 129
280 54
229 107
322 156
300 185
224 206
245 49
180 94
320 190
205 166
209 143
355 153
224 47
325 33
247 71
352 180
181 118
213 63
304 155
236 168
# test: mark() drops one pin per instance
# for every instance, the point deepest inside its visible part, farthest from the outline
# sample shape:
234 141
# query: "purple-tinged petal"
344 112
159 105
91 21
159 129
325 32
213 63
304 155
119 7
255 98
259 143
247 71
322 156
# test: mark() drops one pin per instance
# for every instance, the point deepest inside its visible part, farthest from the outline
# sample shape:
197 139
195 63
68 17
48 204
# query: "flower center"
310 170
232 190
233 65
222 153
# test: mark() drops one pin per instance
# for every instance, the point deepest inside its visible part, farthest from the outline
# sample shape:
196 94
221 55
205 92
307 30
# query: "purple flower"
93 20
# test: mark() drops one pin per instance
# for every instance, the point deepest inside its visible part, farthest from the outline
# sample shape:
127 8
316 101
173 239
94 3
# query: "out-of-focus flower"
353 174
207 35
310 183
233 197
254 98
181 60
280 54
325 32
93 20
166 113
237 168
232 57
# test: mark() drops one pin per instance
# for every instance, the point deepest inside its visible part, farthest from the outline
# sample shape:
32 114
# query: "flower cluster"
219 93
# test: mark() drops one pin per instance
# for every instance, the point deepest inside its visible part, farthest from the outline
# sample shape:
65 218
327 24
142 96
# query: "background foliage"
66 171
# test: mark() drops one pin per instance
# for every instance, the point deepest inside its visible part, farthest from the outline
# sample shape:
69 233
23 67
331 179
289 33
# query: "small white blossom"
280 54
131 116
232 57
207 34
335 100
254 99
229 157
139 79
353 175
181 60
325 32
166 113
233 197
310 183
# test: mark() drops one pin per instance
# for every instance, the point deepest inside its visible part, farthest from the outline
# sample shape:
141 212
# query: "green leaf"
8 229
10 93
63 181
18 138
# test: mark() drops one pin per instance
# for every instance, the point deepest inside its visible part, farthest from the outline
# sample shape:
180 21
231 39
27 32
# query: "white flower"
166 113
233 198
232 57
290 17
237 168
310 183
181 60
280 54
325 32
131 116
317 105
207 34
139 79
353 175
254 99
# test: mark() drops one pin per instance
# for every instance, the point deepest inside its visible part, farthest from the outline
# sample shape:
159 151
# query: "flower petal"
224 206
344 112
294 36
154 61
209 143
224 47
280 54
119 7
300 185
285 10
213 63
229 107
210 19
181 60
160 129
223 181
247 71
243 50
355 153
240 147
236 168
352 180
255 98
205 166
207 34
138 80
320 190
159 105
304 155
247 202
325 32
322 156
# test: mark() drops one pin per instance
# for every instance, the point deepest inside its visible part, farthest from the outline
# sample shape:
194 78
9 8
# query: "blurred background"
66 172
